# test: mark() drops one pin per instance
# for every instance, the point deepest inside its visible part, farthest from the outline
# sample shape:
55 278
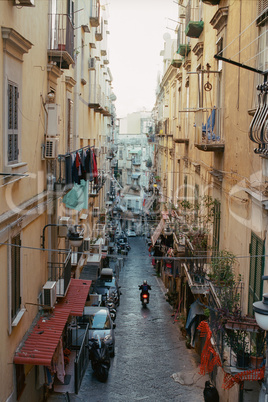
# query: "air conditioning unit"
51 148
29 3
53 120
91 63
49 293
87 244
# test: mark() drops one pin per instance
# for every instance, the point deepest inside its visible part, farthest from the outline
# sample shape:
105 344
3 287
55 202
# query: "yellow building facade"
55 104
204 111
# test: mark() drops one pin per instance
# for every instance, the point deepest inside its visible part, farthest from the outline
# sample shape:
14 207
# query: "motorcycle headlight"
107 338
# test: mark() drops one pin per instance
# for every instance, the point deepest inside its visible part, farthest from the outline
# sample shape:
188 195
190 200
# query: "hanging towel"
77 197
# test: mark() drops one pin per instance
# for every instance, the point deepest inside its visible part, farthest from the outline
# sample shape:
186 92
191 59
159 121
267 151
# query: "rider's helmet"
145 282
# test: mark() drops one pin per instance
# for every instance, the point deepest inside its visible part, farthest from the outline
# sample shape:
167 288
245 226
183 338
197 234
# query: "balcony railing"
61 40
60 271
194 25
208 136
99 32
95 13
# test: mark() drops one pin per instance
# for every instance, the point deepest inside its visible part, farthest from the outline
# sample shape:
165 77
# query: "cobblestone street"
149 347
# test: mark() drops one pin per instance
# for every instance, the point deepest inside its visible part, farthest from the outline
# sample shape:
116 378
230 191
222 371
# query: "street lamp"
261 315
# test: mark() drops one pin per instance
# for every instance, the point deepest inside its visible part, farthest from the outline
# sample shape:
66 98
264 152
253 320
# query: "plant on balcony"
238 341
222 273
149 163
257 351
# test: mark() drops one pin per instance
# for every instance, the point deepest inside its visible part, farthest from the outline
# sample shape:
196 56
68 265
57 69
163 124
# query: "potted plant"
256 355
239 343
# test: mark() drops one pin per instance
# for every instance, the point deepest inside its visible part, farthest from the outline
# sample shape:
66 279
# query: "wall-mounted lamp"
51 96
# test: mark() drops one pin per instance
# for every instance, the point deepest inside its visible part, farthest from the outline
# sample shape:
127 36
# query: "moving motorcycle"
100 358
145 295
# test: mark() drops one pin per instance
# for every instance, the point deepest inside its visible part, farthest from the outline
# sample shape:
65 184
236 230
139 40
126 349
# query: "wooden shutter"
15 275
13 96
256 271
262 6
20 380
216 227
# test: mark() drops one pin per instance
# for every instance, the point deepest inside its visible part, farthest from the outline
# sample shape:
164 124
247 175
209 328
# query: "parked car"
106 284
100 324
131 233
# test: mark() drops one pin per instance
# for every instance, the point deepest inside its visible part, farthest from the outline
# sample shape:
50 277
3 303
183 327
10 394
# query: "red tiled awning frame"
42 341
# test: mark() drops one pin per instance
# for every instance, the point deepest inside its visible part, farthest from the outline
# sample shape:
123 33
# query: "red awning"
77 295
43 338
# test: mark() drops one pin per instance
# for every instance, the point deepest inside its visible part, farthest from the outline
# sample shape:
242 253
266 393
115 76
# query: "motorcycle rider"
144 289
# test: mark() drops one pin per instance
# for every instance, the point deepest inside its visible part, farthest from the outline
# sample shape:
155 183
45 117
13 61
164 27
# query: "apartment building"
57 126
135 153
211 159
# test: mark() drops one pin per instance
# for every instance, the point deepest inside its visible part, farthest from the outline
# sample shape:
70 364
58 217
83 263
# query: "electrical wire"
122 256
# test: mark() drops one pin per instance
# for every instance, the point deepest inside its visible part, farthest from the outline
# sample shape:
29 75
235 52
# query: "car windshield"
99 320
100 283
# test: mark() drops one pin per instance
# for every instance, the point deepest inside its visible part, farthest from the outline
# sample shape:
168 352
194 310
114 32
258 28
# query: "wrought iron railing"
81 361
192 13
60 271
207 123
61 33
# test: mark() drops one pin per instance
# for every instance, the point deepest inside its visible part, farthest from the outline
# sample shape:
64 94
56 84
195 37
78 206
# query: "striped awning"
41 342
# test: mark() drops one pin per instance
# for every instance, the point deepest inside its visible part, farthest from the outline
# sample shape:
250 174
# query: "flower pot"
242 360
256 361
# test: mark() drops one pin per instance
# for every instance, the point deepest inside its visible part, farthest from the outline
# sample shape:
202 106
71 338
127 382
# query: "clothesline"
77 150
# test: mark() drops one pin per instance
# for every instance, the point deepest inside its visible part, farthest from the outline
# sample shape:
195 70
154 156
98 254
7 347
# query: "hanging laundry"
95 168
68 171
89 165
77 197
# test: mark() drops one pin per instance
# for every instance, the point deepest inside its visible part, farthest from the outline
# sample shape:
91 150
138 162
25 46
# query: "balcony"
136 161
60 271
94 13
207 130
99 32
194 25
61 40
96 99
184 50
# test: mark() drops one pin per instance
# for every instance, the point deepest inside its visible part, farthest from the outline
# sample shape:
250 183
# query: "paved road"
149 347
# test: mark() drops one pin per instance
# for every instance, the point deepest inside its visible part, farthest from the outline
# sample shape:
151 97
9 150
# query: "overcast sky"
135 41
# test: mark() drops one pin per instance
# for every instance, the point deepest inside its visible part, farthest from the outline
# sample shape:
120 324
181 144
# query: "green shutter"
256 271
15 275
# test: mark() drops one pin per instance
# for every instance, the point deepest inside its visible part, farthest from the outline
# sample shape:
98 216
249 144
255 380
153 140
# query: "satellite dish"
166 36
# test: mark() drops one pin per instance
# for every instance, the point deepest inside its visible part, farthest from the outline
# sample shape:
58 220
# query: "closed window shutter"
262 6
13 96
15 276
256 271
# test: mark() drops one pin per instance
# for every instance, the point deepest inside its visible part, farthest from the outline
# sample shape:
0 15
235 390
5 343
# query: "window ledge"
18 317
16 168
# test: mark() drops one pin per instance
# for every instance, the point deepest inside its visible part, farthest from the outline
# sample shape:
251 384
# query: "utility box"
53 120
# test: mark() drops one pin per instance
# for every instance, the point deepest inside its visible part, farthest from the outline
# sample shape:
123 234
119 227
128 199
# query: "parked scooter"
100 358
109 303
145 295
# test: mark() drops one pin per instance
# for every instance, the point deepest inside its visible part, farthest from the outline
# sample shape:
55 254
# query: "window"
70 126
120 154
15 276
13 95
216 226
256 271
